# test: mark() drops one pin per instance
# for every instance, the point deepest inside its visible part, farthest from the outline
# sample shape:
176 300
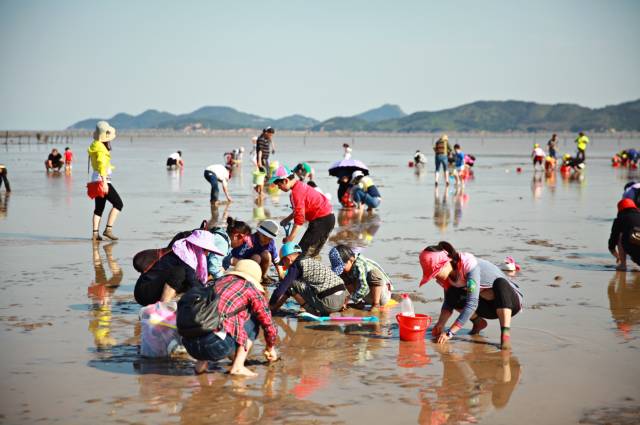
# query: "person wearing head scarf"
478 289
184 266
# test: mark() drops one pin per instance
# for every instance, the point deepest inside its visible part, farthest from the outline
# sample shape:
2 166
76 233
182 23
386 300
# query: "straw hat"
445 138
104 132
248 270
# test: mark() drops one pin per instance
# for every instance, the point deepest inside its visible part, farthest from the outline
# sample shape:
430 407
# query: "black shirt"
263 145
55 159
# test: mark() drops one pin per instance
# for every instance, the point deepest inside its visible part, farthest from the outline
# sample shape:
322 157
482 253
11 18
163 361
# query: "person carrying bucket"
473 286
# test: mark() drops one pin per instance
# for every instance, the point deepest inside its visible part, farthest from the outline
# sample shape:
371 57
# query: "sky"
63 61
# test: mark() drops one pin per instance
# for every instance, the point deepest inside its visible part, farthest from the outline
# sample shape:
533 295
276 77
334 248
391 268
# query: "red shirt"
68 156
308 204
235 293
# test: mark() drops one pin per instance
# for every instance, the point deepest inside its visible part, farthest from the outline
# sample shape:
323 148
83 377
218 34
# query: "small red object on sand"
519 170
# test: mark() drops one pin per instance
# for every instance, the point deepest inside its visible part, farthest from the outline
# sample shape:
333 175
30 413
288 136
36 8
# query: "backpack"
198 313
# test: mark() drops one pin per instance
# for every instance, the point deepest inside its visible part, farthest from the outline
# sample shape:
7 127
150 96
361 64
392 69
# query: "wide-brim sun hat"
205 240
445 138
104 132
432 262
269 228
248 270
282 172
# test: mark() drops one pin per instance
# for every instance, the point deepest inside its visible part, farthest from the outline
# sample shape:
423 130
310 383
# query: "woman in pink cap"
476 288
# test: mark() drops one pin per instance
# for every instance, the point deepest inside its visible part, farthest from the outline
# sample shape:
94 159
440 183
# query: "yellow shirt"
582 142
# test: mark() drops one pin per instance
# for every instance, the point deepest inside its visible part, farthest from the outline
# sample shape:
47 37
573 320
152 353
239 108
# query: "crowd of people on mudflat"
237 266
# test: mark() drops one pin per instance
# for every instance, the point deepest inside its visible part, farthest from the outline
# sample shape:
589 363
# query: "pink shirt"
308 204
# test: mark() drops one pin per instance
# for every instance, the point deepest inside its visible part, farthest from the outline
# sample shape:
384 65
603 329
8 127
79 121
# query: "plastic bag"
159 336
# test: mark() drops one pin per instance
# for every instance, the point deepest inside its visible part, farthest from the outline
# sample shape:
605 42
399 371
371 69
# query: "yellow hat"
248 270
535 145
445 138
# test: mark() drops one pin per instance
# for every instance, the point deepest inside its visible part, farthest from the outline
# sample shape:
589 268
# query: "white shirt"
347 153
538 152
220 171
175 156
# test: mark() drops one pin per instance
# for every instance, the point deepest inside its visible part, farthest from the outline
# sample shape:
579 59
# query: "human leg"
622 256
317 234
238 367
97 216
114 198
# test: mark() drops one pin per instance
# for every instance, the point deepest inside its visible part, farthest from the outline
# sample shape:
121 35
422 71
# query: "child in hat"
261 248
474 287
313 284
308 205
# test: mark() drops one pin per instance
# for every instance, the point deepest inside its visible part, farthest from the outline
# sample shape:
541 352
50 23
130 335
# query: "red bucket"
413 328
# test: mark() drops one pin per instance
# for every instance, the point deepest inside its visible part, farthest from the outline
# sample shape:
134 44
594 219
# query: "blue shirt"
459 159
216 264
253 247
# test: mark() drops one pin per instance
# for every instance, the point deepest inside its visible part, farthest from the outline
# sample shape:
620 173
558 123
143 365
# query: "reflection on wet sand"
473 384
4 204
624 302
215 215
100 292
441 212
356 227
536 184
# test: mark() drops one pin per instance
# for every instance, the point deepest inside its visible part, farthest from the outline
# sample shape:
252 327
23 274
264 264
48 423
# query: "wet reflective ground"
70 332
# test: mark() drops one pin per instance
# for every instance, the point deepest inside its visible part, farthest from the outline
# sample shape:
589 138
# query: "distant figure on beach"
68 158
364 191
308 205
347 151
581 141
217 174
459 165
552 145
100 157
175 160
365 279
441 148
243 309
312 284
4 179
475 287
624 238
54 161
304 171
419 159
265 146
238 154
537 155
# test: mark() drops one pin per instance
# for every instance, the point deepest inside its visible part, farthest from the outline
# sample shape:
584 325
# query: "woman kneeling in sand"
244 307
475 287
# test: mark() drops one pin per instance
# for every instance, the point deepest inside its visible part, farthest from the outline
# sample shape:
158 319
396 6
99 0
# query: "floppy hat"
269 228
248 270
205 240
288 249
445 138
356 174
282 172
431 263
104 132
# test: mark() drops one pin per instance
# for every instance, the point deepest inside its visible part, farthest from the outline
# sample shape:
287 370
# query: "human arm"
292 233
614 237
273 146
473 295
225 189
445 313
215 265
286 220
260 309
280 294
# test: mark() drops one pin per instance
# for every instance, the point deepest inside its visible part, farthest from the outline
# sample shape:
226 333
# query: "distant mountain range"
493 116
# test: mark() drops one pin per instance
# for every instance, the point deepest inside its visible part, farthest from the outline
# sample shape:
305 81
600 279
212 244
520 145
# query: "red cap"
432 263
625 204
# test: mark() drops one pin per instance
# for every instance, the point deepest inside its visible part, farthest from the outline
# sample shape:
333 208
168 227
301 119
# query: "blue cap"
289 248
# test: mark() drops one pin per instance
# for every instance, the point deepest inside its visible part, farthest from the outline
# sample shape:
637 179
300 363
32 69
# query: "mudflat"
70 332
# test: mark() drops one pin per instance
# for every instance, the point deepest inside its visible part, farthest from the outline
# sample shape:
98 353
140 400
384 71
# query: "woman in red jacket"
308 205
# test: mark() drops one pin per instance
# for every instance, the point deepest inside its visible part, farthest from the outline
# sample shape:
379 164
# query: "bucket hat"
248 270
269 228
104 132
356 174
288 249
338 256
445 138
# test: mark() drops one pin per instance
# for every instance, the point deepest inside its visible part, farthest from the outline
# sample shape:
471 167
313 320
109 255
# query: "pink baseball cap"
432 263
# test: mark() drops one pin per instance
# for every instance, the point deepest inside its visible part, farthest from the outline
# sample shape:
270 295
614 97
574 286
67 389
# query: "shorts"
537 160
442 161
505 297
171 162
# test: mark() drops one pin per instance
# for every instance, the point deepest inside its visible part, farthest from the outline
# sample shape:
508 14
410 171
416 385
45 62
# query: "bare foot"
478 325
201 366
243 371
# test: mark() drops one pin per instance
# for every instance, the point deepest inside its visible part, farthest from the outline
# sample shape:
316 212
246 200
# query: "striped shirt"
236 293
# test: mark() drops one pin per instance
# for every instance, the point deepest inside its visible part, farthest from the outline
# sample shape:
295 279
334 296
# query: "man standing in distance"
265 146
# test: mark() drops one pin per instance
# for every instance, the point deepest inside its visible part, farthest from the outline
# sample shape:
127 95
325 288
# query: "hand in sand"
436 330
271 354
443 338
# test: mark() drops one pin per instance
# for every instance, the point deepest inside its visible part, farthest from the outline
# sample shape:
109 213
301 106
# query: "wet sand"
70 332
